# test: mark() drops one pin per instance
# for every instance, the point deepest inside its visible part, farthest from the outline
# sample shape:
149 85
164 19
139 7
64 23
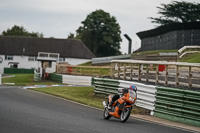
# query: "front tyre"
106 114
125 114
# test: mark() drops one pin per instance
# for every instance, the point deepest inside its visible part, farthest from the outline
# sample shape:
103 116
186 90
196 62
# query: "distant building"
23 52
172 36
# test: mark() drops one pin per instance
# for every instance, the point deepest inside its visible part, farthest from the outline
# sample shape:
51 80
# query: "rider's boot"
115 114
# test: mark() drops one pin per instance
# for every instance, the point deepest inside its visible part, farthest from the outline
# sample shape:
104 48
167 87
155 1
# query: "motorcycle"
121 108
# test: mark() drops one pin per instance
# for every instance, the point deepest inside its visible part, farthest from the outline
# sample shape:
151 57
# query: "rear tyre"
125 114
106 114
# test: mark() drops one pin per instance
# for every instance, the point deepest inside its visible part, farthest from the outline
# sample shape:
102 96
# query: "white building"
26 52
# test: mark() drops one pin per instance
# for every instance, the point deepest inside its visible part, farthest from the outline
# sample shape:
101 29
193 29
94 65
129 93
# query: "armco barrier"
178 105
37 76
55 77
145 93
106 86
76 80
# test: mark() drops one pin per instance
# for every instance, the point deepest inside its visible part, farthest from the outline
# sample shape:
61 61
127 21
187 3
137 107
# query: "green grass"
192 58
24 80
84 95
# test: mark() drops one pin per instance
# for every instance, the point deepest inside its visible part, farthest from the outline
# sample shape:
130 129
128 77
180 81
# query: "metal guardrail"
188 50
178 105
145 93
55 77
101 60
37 77
106 86
76 80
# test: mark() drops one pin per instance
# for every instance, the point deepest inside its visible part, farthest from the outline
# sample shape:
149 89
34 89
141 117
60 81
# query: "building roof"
68 48
167 28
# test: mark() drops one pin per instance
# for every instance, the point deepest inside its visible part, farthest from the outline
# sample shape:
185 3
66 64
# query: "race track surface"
26 111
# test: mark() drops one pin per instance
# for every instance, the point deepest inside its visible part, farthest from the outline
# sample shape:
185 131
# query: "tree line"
101 32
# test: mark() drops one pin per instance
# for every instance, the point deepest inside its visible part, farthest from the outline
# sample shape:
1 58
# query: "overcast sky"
58 18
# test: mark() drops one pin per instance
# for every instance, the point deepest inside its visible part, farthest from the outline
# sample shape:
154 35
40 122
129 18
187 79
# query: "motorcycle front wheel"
125 114
106 114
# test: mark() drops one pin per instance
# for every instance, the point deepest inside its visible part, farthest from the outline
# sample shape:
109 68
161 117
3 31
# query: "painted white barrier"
77 80
145 94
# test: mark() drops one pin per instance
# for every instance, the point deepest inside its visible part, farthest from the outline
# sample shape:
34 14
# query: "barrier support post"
177 75
190 77
147 73
139 72
118 70
124 75
166 75
131 73
157 73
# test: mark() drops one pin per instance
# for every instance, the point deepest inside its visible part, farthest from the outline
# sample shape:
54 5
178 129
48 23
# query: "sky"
58 18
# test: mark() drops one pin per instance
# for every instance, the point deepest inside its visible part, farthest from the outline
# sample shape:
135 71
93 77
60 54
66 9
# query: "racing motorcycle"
121 108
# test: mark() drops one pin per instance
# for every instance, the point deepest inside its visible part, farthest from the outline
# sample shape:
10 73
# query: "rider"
113 97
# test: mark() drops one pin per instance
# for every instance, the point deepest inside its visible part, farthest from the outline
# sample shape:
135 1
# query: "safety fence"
71 79
188 50
173 74
178 105
145 93
55 77
37 76
105 86
169 103
83 70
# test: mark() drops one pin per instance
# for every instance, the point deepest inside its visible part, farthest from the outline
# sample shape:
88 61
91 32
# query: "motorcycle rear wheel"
106 114
125 114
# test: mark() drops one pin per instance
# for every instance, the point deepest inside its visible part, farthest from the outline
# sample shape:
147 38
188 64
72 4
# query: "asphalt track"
26 111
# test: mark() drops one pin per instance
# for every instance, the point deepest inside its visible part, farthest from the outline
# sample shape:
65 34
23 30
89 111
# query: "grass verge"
192 58
25 79
84 95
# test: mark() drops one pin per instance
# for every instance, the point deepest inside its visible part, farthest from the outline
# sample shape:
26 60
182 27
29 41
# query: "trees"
100 33
71 36
20 31
178 12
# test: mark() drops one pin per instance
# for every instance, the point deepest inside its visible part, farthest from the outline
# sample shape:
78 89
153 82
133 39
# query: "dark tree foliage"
21 31
178 12
101 33
70 36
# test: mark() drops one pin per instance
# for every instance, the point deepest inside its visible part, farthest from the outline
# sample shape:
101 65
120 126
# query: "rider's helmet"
133 87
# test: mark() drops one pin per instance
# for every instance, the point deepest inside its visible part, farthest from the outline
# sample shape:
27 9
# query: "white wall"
22 60
24 63
75 61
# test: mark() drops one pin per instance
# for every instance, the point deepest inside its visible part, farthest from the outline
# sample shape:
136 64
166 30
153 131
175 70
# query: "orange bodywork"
115 114
121 100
